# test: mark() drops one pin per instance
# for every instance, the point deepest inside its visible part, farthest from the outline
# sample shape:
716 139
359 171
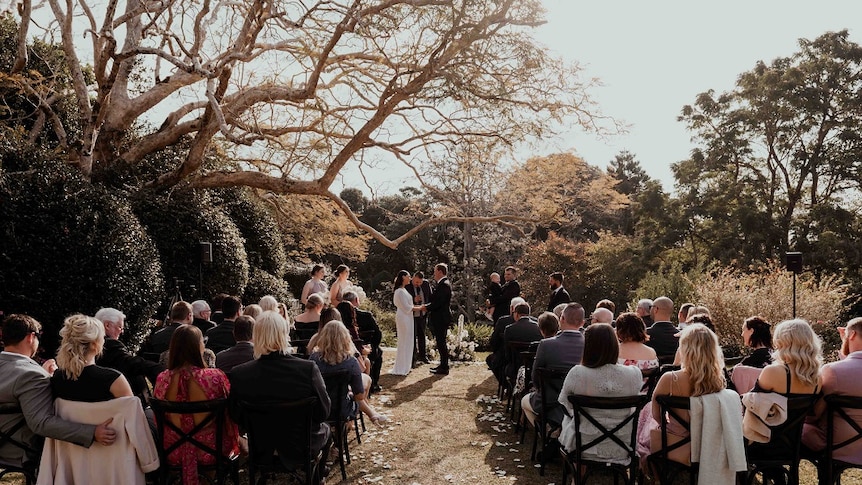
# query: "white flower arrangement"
461 348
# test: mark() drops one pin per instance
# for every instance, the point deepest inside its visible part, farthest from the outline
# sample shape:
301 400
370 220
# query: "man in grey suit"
25 386
561 352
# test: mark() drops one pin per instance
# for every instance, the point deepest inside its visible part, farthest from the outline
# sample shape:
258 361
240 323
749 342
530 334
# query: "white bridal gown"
404 327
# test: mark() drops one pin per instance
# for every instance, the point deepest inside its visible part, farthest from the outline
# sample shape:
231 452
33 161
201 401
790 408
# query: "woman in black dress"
756 334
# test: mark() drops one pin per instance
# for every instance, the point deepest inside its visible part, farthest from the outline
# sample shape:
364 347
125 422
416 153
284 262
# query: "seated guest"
201 312
599 375
26 385
602 315
282 310
335 351
497 359
662 333
275 375
188 379
756 335
607 304
549 325
181 314
561 352
682 316
371 335
306 323
243 351
220 337
252 311
137 370
348 316
268 304
841 378
631 333
701 373
217 316
524 329
78 378
331 314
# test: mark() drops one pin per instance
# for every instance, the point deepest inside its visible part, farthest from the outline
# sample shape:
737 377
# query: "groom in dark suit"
439 316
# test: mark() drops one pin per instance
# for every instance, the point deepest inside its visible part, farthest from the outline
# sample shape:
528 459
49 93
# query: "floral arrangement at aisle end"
461 348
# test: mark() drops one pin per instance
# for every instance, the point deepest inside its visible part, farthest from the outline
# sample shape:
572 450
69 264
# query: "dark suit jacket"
369 331
280 377
502 303
203 325
661 338
424 289
558 297
26 385
240 353
524 330
439 315
161 339
563 351
220 337
135 368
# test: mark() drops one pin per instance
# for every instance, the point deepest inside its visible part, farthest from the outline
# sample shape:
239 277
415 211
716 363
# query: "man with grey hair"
643 310
663 334
115 355
496 360
202 313
602 315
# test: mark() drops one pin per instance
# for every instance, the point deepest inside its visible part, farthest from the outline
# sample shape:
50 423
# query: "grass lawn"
443 431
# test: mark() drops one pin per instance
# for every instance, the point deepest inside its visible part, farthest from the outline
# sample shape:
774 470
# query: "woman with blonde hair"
335 352
268 303
701 373
796 360
78 378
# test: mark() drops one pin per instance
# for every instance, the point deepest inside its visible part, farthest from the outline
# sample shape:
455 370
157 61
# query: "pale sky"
655 57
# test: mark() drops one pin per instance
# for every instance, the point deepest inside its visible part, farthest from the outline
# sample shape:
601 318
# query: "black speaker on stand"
793 263
206 250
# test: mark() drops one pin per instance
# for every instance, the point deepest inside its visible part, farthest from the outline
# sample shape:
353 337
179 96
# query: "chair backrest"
666 359
514 352
527 358
786 438
672 405
303 331
288 424
650 377
585 406
732 361
7 437
214 411
550 383
838 406
337 383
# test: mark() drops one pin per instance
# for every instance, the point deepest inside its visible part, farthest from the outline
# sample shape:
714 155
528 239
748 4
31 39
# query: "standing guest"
404 324
607 304
340 285
421 291
335 353
253 310
136 370
243 351
561 352
315 284
221 337
662 333
682 316
181 314
439 315
268 304
631 333
275 375
493 292
511 289
201 313
559 294
600 375
217 315
26 387
644 310
188 379
841 378
756 335
371 335
306 323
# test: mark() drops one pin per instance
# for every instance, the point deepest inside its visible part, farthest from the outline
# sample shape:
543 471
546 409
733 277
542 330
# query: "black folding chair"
781 455
288 423
665 468
527 358
837 406
215 412
337 387
550 382
513 359
7 437
301 348
650 377
583 407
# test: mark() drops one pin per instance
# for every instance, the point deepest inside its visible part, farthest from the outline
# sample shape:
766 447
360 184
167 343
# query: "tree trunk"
469 251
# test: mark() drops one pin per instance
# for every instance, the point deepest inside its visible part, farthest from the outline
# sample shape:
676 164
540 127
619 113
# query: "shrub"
264 246
385 320
732 295
261 283
68 246
481 334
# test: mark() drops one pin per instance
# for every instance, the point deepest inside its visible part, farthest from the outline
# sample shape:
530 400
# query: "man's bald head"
573 317
662 308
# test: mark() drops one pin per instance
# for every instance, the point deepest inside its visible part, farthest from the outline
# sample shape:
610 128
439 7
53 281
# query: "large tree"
295 91
786 141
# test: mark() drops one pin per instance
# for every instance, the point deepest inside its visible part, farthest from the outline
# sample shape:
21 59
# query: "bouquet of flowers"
458 342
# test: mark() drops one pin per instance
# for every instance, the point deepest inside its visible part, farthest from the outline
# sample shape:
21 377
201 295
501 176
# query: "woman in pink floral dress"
188 379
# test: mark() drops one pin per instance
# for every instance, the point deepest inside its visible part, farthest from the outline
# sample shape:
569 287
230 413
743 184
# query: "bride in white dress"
403 325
